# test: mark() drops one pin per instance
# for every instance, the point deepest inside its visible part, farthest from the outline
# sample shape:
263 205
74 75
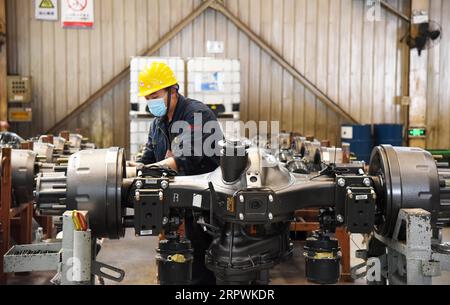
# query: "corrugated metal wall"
358 63
438 101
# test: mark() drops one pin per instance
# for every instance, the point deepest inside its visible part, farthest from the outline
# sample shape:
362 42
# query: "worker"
159 86
4 126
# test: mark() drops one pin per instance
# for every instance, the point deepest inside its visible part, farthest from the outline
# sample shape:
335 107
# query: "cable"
353 241
331 171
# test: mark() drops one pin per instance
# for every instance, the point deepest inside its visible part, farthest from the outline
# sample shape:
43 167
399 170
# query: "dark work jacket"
161 138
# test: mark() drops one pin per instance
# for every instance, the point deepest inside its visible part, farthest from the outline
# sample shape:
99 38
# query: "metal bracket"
97 270
149 212
413 261
254 207
360 209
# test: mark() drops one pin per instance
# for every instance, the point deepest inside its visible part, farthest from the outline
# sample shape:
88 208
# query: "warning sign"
46 9
46 4
77 13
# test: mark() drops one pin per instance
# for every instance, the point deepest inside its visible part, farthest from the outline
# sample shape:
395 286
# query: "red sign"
77 13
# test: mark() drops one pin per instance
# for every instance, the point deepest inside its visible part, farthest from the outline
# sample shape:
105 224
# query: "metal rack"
72 258
15 222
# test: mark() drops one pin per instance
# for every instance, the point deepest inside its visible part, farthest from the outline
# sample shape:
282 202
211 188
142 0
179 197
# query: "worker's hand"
138 165
169 154
169 163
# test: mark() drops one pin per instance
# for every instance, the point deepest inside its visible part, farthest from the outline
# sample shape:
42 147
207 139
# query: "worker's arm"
169 162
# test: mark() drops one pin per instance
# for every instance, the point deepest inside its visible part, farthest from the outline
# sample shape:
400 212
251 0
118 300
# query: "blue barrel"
388 134
360 139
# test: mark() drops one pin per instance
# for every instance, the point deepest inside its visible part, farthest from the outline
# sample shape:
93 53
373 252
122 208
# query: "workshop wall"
360 64
438 101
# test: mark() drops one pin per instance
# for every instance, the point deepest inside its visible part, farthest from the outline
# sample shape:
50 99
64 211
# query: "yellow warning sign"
48 4
46 9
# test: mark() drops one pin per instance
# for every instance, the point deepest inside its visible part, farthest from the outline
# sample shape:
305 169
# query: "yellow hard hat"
155 77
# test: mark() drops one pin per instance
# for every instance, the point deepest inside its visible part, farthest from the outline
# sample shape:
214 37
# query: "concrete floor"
136 256
141 269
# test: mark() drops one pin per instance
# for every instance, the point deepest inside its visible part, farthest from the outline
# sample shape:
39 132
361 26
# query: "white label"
209 82
146 232
420 19
46 9
197 201
215 47
361 197
18 97
150 181
347 133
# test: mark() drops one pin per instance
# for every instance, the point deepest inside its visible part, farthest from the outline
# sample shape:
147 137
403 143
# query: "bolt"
340 218
139 174
241 198
367 182
139 184
341 182
161 196
270 198
165 221
270 216
164 184
350 194
137 196
241 216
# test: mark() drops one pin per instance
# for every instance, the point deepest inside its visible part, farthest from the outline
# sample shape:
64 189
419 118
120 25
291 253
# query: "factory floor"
136 256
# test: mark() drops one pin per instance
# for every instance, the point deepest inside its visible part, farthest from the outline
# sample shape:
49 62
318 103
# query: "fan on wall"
423 36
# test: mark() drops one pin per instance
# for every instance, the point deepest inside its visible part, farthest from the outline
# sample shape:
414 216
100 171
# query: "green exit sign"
417 132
